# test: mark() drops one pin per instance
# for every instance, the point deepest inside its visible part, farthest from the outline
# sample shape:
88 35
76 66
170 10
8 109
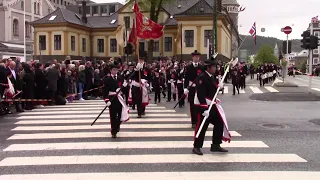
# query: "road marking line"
104 120
85 105
271 89
96 127
316 89
127 145
91 112
79 135
86 108
161 158
255 90
225 90
95 115
242 91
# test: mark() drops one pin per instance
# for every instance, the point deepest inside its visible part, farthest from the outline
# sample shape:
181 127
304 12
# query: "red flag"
253 33
133 35
146 28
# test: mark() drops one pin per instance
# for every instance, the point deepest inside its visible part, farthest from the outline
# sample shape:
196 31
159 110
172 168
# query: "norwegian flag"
253 32
241 9
315 19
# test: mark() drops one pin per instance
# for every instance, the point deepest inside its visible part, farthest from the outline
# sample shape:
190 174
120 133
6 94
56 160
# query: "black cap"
195 53
210 63
115 64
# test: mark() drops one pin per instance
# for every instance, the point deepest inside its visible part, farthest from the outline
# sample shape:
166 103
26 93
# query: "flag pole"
181 42
243 41
24 33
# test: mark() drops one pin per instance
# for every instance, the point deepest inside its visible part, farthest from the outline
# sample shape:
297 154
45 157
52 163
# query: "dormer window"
52 18
202 9
171 17
179 6
113 21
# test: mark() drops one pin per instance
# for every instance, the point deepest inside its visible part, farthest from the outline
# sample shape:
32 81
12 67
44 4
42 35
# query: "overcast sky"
273 15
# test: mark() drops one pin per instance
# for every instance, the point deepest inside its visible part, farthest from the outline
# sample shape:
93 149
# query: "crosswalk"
228 89
57 142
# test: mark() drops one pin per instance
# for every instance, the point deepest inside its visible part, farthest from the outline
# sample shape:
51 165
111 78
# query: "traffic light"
284 47
314 42
305 40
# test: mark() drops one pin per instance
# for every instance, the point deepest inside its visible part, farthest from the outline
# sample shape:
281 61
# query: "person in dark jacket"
235 81
41 82
28 86
81 80
53 75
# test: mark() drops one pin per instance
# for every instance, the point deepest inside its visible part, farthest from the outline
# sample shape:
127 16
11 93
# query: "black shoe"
180 106
143 114
217 148
194 126
197 151
139 116
114 135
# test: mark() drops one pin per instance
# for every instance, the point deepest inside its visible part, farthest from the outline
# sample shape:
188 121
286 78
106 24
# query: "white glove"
125 84
128 73
171 80
205 113
118 89
108 103
220 85
186 91
181 71
147 85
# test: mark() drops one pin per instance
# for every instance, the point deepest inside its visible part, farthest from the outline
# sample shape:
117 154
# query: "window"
80 10
42 42
227 45
155 46
207 35
100 45
316 51
168 44
61 2
104 9
88 10
35 8
84 45
315 60
127 21
113 21
38 8
73 43
27 29
316 33
189 38
57 42
112 9
94 9
52 18
65 3
113 45
15 27
22 5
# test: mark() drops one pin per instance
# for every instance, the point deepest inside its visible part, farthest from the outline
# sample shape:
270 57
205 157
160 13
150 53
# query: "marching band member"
205 90
139 87
118 109
180 77
192 72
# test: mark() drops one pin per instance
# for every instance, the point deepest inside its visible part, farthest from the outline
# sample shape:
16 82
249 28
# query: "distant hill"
261 40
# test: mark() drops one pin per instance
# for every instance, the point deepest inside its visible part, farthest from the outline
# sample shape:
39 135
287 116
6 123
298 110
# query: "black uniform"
111 84
156 80
206 89
192 72
180 75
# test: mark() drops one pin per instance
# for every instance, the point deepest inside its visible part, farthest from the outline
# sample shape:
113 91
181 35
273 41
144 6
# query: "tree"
154 7
265 55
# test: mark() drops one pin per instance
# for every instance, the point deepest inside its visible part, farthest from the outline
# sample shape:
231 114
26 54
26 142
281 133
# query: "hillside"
261 40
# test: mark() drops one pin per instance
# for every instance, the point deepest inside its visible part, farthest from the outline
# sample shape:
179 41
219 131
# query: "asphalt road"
270 139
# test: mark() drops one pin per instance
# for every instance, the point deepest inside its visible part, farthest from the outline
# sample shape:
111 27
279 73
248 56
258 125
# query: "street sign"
287 30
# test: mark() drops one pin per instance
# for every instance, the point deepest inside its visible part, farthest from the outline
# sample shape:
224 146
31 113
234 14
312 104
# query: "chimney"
84 12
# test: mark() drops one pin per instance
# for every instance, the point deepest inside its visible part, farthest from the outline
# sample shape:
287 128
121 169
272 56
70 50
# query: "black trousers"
157 97
169 91
180 94
137 99
193 108
215 119
115 115
235 86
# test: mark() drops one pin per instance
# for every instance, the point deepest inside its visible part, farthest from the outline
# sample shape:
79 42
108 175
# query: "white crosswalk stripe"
60 139
255 89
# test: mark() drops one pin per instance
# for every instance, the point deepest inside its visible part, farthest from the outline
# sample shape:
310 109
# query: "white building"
13 24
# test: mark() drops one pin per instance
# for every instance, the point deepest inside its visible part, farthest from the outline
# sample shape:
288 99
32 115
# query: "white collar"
210 75
195 64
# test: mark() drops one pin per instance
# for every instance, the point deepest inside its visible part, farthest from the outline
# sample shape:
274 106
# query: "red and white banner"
145 27
253 32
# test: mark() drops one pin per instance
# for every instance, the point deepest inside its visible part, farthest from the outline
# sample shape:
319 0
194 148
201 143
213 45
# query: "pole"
287 58
181 42
310 60
214 26
24 33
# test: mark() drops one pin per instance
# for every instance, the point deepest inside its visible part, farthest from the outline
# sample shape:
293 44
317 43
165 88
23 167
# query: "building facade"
13 24
65 32
96 9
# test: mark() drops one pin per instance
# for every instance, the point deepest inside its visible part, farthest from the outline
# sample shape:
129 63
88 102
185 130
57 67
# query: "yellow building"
64 32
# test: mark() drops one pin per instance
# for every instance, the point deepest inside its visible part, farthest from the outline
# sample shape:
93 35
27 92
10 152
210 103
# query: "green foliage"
271 41
265 55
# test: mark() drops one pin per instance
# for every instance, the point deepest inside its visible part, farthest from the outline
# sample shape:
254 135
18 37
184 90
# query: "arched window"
15 27
27 29
22 5
38 8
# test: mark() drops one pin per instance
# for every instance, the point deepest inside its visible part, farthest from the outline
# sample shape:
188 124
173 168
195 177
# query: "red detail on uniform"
197 126
119 84
106 99
145 73
172 75
198 72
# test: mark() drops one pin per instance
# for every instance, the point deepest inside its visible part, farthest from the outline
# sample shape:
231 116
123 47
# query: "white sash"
226 134
125 108
145 95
